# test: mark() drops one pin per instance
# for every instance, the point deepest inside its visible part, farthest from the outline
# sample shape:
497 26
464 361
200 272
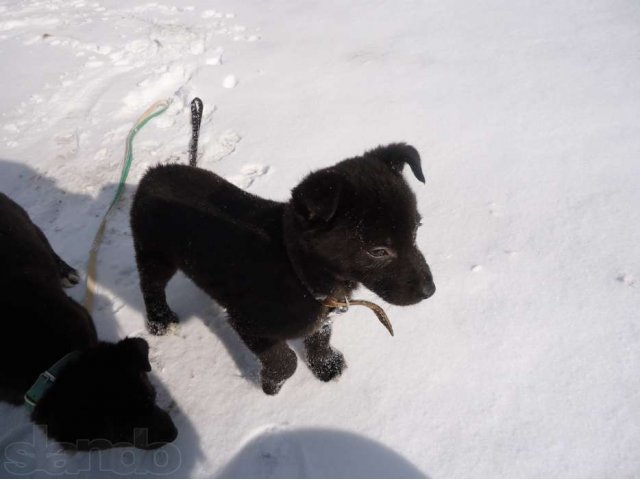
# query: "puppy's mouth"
333 302
403 299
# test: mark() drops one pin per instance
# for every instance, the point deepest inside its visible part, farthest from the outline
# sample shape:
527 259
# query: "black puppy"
271 264
100 396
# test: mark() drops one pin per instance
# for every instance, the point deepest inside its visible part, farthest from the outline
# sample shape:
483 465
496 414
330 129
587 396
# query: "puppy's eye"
419 223
380 252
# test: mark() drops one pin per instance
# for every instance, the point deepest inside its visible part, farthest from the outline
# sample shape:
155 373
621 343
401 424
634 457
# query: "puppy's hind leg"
69 276
325 362
279 362
155 272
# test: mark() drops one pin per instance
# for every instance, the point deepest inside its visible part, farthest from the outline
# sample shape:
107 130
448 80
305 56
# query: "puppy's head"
104 399
359 218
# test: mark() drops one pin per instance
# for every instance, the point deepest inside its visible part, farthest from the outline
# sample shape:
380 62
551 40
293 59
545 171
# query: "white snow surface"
526 362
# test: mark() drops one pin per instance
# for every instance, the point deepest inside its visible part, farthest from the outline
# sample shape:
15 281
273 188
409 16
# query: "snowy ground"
527 360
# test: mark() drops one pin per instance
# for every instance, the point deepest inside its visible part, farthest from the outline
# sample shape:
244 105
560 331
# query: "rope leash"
153 111
196 120
333 302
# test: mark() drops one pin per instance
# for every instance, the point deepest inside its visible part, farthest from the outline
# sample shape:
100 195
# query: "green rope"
128 156
152 112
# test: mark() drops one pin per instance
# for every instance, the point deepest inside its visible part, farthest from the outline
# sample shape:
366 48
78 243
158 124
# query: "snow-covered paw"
162 323
278 370
271 386
328 367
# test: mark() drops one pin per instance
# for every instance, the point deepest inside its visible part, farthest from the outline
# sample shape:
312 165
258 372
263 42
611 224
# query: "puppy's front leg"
325 362
279 362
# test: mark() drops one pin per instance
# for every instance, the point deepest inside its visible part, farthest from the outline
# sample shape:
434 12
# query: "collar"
46 380
320 284
297 269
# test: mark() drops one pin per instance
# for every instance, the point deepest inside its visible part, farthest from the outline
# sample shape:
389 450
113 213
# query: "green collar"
46 380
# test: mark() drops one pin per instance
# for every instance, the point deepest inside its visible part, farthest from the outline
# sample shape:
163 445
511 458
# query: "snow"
524 364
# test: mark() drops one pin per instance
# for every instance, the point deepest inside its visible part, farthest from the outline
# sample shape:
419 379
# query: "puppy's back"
24 255
179 197
226 240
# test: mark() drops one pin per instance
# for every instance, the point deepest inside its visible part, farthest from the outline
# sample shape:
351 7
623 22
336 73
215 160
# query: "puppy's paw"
274 376
161 324
69 276
271 387
328 367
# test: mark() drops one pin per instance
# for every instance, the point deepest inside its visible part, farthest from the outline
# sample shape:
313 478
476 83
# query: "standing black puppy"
96 394
270 264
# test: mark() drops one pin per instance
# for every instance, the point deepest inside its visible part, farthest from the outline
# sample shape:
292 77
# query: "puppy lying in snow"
98 395
271 264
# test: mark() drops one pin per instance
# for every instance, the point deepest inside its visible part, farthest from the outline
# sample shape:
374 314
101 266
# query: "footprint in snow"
225 145
67 145
248 174
93 64
11 127
230 81
209 14
626 278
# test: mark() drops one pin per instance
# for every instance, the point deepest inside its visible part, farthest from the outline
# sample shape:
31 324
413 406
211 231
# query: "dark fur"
98 400
260 259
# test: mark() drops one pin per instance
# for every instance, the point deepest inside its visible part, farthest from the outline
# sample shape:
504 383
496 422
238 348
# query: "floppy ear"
316 197
136 351
397 154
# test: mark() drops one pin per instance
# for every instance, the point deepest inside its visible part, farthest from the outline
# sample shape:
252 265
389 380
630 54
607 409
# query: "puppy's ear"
136 352
316 197
397 154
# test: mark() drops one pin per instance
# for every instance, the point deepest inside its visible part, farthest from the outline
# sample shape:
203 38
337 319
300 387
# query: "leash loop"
345 308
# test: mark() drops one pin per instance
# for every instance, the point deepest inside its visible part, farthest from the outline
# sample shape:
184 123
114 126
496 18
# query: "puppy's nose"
428 290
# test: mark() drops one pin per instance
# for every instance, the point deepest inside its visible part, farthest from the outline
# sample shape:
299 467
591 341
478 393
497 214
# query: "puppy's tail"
196 120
